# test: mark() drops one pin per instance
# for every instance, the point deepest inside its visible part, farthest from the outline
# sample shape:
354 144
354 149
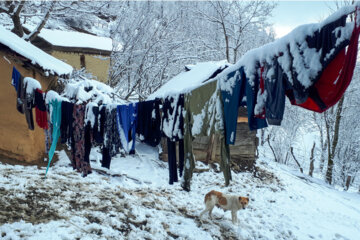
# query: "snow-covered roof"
48 63
190 80
75 39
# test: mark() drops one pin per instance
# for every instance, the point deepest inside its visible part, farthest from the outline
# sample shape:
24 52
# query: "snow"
190 80
306 61
34 54
85 90
31 85
74 39
133 200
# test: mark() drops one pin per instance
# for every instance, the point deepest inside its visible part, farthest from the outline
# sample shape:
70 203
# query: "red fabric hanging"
41 116
336 77
261 89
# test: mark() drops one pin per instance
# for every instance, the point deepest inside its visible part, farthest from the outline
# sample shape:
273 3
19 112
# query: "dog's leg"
210 211
234 217
205 210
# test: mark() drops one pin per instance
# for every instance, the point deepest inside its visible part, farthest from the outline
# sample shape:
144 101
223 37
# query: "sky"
290 14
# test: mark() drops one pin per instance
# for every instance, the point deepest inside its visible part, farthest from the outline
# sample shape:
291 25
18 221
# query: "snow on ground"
134 201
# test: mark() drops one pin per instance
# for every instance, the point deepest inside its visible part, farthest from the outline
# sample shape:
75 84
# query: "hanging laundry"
26 100
126 120
173 130
251 90
91 119
204 117
112 143
67 120
40 109
237 91
98 129
336 65
232 92
55 110
21 94
15 79
78 151
48 131
275 86
261 96
86 166
149 122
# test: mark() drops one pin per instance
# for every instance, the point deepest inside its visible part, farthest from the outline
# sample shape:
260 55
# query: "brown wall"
97 65
16 140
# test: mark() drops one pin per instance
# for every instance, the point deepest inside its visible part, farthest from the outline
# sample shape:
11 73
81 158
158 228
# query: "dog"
225 202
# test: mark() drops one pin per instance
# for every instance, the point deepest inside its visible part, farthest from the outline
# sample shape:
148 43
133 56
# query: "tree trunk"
18 29
312 160
347 184
36 32
297 162
331 152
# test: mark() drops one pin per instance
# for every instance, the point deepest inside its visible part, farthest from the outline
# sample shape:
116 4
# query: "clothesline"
210 108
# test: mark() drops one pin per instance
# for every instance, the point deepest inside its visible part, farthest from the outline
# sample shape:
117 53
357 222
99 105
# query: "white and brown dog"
226 202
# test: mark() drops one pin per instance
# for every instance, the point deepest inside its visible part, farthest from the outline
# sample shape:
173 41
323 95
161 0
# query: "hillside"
134 201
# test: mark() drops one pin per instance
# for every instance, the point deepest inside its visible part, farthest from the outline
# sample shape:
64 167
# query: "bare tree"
21 12
238 22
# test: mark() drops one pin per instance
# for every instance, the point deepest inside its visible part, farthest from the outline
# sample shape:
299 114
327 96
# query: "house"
80 50
16 140
207 149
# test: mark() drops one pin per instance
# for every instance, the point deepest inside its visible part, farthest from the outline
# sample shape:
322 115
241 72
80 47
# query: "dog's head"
244 201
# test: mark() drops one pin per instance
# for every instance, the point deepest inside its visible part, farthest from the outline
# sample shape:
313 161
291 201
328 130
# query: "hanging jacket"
236 91
203 117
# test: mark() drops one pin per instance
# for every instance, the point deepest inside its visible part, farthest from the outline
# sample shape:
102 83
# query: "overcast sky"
290 14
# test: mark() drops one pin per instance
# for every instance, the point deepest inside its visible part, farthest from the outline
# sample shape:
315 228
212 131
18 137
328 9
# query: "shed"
207 149
16 140
80 50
